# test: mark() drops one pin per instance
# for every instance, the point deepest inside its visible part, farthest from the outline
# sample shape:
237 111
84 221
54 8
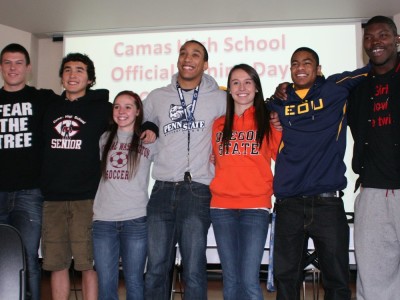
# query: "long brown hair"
261 114
134 149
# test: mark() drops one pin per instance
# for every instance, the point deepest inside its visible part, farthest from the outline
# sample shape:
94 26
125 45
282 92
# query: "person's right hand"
212 158
274 120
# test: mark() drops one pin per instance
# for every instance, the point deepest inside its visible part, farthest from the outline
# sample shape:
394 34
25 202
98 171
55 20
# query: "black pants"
324 220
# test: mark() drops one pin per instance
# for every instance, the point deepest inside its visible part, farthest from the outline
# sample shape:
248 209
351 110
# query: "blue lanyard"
189 114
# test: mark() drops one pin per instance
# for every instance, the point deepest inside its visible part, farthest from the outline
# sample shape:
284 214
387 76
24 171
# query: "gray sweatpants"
377 244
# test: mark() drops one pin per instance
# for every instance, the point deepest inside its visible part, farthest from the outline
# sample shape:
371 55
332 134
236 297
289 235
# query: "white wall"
50 55
45 56
10 35
396 19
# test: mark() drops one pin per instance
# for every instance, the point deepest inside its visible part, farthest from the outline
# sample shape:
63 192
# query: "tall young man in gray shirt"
178 210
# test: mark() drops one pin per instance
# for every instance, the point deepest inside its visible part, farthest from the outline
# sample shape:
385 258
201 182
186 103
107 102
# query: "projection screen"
142 60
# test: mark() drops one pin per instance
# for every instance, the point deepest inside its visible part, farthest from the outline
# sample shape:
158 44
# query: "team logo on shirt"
180 122
119 159
241 143
304 107
177 113
67 127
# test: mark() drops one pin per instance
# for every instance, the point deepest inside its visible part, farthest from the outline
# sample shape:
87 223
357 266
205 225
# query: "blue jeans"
324 220
125 239
177 212
241 235
23 210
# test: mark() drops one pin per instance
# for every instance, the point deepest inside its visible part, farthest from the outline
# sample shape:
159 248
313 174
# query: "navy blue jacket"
310 158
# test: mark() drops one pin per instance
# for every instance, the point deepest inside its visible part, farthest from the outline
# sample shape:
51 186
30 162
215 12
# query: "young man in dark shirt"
21 113
374 120
72 128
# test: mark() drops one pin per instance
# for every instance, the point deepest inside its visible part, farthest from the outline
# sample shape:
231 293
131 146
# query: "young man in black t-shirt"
21 113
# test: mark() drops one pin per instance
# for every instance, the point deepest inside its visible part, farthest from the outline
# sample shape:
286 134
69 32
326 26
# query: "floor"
214 288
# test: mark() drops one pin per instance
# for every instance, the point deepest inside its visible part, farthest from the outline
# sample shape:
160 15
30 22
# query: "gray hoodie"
163 107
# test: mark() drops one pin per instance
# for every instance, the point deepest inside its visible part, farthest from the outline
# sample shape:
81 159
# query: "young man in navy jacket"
310 175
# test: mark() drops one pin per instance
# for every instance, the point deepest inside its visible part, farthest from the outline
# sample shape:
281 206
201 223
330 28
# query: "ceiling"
51 17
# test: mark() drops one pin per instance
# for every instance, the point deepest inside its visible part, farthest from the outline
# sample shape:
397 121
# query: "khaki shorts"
67 233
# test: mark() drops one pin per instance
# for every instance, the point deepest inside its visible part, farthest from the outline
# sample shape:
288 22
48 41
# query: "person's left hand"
280 91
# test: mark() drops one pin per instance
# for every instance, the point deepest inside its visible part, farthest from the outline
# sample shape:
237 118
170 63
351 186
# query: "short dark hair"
383 20
309 50
15 48
200 44
84 59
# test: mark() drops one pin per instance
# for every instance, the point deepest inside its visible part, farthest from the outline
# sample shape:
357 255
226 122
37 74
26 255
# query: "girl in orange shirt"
243 145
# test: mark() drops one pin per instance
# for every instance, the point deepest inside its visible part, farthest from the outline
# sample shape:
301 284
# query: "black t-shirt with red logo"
374 118
72 130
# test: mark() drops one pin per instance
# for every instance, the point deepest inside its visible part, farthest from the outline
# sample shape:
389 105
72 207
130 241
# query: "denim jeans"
177 212
125 239
324 220
240 235
23 210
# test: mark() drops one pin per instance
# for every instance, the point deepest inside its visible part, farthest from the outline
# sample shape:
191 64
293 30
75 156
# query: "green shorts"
67 234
